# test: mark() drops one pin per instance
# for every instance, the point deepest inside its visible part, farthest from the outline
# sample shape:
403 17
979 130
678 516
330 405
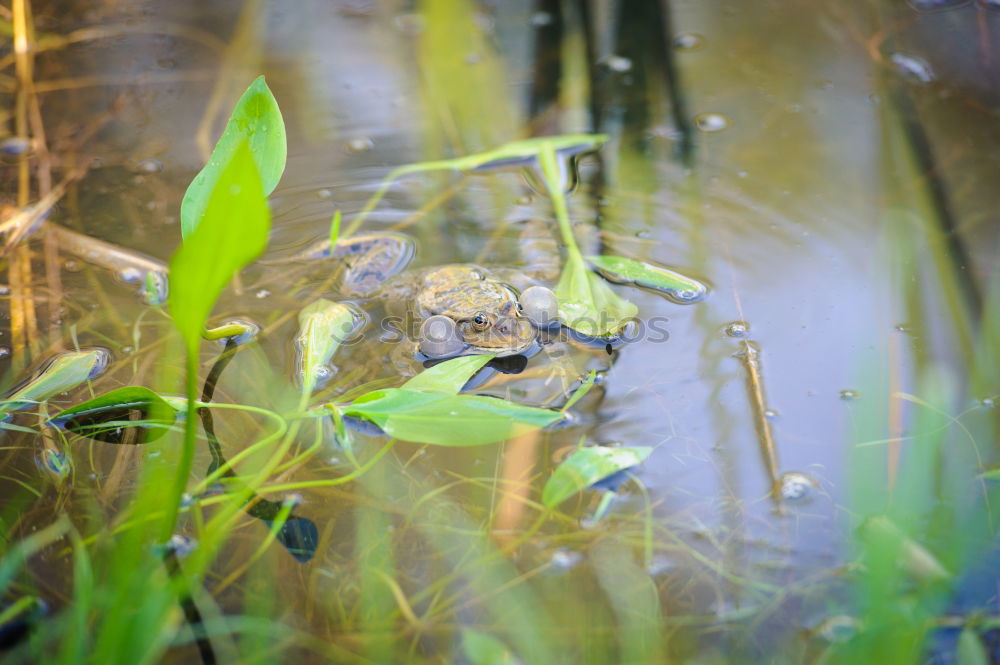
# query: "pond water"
825 170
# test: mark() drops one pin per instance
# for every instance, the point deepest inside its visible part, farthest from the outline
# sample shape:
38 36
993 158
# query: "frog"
462 309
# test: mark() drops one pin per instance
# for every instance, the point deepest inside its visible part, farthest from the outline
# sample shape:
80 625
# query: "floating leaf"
449 376
447 420
587 466
62 373
677 287
323 326
484 649
232 233
256 121
588 305
110 417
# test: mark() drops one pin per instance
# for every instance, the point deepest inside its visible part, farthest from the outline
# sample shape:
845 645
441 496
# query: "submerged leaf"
62 373
449 376
484 649
970 649
674 285
587 466
447 420
232 233
256 121
588 305
323 326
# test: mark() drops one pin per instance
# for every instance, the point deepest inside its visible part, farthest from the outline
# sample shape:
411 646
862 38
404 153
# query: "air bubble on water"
187 500
130 275
711 122
541 19
4 352
688 41
912 68
848 395
737 329
359 144
564 559
149 166
102 358
13 146
902 327
617 63
796 486
323 374
324 193
263 293
988 402
686 295
182 545
770 414
4 290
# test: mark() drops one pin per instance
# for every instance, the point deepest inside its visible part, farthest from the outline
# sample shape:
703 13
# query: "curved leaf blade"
677 287
232 233
448 420
323 326
588 305
63 372
449 376
586 466
256 120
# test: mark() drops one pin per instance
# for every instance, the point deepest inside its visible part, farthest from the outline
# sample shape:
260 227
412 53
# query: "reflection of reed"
518 462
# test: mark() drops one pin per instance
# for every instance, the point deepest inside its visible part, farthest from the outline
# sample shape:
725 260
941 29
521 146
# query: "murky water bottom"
734 540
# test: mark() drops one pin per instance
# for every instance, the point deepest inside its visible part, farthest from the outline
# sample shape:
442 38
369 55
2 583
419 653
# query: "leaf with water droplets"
586 466
677 287
256 120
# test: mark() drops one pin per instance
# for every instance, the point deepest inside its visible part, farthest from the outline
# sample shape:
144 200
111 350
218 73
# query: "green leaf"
323 325
232 233
581 391
447 420
110 416
484 649
674 285
256 121
118 398
587 304
970 650
64 372
449 376
586 466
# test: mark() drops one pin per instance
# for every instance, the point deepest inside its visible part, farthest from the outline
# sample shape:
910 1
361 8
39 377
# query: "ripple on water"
912 68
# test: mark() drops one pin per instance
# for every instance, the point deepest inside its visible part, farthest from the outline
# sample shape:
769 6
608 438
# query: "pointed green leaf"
586 466
232 233
674 285
64 372
970 650
588 305
110 416
447 420
323 326
580 392
118 398
449 376
256 121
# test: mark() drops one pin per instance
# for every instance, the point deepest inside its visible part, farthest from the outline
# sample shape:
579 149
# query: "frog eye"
480 321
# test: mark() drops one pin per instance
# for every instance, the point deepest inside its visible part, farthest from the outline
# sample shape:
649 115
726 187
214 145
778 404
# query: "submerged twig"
749 355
